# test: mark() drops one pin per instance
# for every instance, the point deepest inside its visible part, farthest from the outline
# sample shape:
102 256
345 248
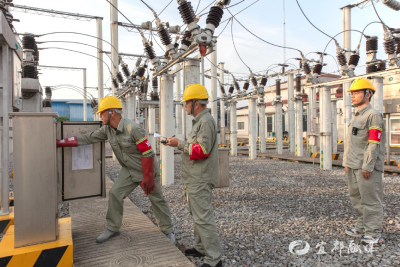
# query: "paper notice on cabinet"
82 157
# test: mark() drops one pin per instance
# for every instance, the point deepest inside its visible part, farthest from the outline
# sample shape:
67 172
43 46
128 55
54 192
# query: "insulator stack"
125 70
236 84
342 59
154 95
354 60
120 78
390 46
263 81
114 82
154 83
317 69
222 89
381 66
138 62
164 34
371 69
186 38
48 91
149 50
29 71
246 86
278 87
372 44
214 16
397 40
306 68
47 103
298 84
254 81
9 17
187 13
28 42
140 72
231 89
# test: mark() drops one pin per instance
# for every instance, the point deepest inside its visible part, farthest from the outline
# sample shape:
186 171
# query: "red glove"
67 142
148 183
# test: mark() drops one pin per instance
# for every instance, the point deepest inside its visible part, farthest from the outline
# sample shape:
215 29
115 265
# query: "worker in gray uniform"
200 174
364 158
136 156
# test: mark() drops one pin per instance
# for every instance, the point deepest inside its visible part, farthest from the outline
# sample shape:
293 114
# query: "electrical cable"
40 35
198 4
263 39
383 23
76 52
234 45
366 28
235 4
224 28
310 21
362 33
212 2
75 43
239 11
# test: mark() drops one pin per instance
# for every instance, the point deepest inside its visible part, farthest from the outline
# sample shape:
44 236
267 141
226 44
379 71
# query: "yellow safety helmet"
361 84
194 91
108 102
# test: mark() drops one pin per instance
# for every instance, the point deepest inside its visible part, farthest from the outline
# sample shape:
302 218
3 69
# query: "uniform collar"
121 125
363 110
197 118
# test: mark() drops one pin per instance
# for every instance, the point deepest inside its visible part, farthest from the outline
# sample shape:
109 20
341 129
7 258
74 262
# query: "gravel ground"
270 204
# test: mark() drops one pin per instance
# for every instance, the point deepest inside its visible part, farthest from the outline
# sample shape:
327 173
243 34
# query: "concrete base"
7 220
58 253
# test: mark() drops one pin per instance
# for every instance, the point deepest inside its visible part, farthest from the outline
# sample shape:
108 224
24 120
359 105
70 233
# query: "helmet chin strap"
109 117
192 109
365 98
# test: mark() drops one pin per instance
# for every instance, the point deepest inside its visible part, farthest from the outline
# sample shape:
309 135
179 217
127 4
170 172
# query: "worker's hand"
172 141
345 170
366 174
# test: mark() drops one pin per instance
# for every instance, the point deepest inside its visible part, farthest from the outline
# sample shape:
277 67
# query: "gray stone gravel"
271 203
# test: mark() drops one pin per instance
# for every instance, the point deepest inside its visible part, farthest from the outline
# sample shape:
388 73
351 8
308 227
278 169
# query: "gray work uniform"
200 177
123 142
359 154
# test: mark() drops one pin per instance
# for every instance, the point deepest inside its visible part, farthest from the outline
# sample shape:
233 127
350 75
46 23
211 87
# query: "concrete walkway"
139 244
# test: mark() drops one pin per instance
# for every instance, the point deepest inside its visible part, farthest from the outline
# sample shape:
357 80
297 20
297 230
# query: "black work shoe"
193 252
219 264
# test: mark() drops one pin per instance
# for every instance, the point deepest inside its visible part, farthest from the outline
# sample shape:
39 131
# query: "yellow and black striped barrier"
317 155
340 142
240 144
391 163
52 254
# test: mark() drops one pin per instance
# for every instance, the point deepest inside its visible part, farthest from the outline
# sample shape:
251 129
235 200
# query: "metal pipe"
114 41
233 124
191 75
299 119
84 96
152 127
388 141
222 102
334 126
378 96
7 88
292 123
178 97
252 128
261 129
167 128
214 85
325 122
100 74
202 72
128 106
132 108
278 118
346 86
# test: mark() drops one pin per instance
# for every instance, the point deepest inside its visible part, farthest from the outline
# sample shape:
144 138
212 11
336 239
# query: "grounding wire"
226 25
263 39
76 52
333 38
234 45
376 12
366 28
76 43
40 35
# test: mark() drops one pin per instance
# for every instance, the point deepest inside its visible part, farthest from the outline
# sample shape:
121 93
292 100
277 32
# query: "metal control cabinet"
35 178
82 168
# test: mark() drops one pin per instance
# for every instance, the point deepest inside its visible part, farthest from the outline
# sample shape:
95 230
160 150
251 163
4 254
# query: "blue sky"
264 18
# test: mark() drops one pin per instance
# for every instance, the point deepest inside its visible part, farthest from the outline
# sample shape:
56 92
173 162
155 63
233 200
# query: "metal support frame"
233 124
252 128
261 129
278 126
214 85
100 73
291 113
167 128
299 127
114 41
178 97
334 125
191 75
152 126
325 126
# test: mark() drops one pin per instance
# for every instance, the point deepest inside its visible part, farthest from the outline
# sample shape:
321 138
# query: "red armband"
144 146
197 152
375 134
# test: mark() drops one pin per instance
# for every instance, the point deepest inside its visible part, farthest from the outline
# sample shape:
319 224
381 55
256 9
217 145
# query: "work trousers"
122 187
205 231
366 197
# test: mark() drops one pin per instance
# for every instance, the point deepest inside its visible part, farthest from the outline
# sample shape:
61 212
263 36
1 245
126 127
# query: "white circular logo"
298 243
